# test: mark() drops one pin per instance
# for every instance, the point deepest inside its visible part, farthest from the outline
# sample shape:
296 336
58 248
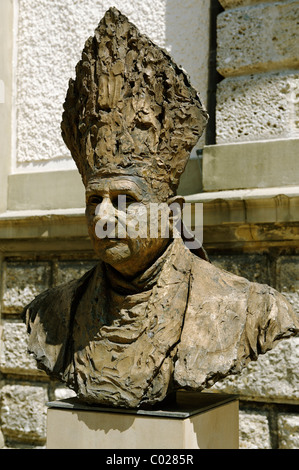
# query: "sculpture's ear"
175 204
176 199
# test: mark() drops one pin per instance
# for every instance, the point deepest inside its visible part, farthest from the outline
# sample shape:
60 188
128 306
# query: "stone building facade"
244 171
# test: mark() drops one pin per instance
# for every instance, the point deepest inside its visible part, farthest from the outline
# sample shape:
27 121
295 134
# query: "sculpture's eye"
130 200
122 201
95 199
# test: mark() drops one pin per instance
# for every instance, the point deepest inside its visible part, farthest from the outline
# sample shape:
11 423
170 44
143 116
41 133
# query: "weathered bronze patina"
152 316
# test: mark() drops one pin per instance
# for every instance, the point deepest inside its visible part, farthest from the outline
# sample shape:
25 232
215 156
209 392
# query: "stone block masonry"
13 353
23 280
288 431
268 427
258 56
258 107
24 390
23 413
288 275
258 39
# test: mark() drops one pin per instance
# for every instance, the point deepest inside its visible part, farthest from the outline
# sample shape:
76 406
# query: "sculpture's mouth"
114 240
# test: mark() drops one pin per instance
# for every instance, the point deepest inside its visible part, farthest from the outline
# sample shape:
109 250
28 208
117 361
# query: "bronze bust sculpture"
152 316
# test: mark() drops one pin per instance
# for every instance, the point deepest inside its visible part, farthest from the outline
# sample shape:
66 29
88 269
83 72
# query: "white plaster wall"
50 38
6 59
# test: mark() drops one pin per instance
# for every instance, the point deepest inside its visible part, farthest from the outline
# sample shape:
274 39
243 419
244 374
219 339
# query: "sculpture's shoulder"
229 321
48 319
216 281
249 299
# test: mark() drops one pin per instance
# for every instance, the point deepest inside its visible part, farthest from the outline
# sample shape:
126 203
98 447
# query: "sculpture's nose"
105 219
105 210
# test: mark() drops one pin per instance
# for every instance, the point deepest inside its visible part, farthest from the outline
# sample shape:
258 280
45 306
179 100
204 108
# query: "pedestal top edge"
182 406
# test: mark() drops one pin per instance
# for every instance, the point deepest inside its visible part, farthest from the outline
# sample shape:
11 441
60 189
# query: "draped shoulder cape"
183 324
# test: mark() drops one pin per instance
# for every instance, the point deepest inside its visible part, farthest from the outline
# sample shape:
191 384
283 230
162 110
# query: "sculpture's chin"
113 251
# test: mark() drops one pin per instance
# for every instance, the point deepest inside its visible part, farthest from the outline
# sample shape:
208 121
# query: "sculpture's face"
124 222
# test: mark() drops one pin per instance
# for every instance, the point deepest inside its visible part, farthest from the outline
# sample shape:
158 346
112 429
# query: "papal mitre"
130 110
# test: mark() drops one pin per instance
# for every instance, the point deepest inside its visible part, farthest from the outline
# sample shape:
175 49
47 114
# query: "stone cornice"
244 217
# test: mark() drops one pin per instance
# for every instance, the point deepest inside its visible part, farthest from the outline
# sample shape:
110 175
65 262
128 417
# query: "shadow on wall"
190 35
187 38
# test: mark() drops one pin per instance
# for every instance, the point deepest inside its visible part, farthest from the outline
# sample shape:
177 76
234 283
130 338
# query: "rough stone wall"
24 390
268 388
258 56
